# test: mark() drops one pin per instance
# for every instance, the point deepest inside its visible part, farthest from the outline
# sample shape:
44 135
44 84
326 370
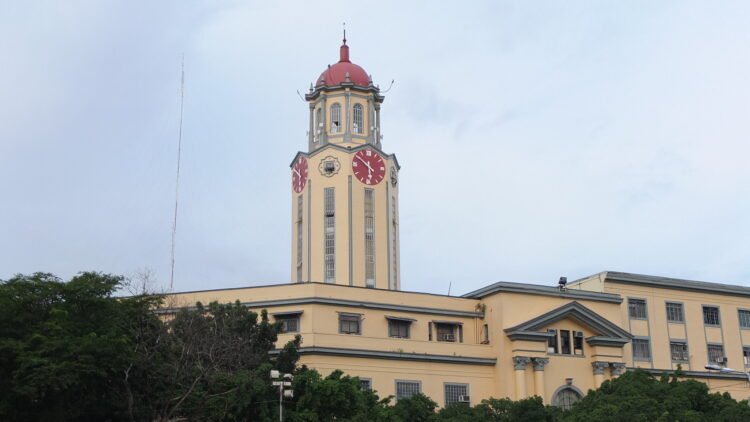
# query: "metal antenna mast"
177 178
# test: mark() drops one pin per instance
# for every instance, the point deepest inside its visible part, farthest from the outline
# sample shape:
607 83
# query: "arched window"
565 397
336 118
319 125
358 119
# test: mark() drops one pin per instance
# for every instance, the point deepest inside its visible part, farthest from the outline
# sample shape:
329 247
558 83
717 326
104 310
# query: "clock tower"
344 187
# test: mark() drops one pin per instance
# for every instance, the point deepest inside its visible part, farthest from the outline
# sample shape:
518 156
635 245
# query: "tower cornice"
347 150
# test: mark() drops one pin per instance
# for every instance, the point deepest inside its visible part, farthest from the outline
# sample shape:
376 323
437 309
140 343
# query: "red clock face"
368 166
299 174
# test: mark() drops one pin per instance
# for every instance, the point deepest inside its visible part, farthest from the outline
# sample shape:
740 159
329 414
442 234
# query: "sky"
537 139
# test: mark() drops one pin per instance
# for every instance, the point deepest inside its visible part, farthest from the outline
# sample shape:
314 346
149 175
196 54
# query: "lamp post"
282 381
724 370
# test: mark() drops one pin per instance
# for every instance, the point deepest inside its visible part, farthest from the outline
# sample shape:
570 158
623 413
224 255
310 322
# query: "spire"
344 50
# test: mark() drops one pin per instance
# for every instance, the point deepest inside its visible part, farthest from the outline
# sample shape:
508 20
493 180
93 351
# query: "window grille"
637 308
406 389
716 353
641 349
679 351
369 238
565 342
358 119
336 118
711 315
399 329
446 332
565 398
365 384
330 236
454 393
746 355
674 312
744 316
299 238
349 324
289 324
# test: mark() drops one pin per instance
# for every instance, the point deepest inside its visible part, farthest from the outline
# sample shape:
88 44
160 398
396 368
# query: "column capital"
520 362
539 363
599 367
618 368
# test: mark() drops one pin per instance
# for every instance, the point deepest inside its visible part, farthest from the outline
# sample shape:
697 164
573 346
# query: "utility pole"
282 381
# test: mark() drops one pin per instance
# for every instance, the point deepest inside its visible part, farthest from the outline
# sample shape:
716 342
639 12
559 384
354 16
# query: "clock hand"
296 171
364 162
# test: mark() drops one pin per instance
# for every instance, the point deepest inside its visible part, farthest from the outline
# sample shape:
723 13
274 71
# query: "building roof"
535 289
669 283
344 71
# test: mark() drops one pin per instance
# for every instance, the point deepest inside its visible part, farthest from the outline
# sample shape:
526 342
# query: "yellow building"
504 340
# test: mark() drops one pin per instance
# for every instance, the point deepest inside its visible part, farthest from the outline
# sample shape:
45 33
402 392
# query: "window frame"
363 380
284 319
746 356
637 301
682 312
709 346
718 315
686 351
396 383
349 319
647 342
336 113
553 342
358 126
740 311
455 384
566 342
457 331
403 324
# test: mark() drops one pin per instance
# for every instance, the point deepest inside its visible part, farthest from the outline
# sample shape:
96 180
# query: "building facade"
504 340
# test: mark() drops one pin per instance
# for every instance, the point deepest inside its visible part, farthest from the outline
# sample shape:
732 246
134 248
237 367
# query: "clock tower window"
358 119
369 238
330 238
336 118
299 238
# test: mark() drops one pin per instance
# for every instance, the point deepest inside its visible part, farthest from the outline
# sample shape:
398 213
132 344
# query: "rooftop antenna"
177 177
450 283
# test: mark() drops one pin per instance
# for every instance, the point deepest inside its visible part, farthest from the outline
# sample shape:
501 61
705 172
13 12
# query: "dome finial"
344 50
344 25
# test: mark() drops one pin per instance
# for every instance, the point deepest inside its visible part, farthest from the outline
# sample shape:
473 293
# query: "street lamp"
282 381
724 370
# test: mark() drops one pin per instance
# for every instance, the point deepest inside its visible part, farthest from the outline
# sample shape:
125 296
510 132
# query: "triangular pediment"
608 333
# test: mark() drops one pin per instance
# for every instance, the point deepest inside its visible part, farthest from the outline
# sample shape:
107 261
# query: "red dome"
337 74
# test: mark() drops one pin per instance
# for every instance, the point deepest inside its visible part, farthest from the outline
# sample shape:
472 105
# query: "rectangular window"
674 312
365 384
406 389
369 238
358 124
289 323
637 308
744 318
716 354
578 343
349 323
398 329
447 332
456 393
336 118
486 334
679 351
299 238
552 341
565 342
711 315
641 349
330 236
746 355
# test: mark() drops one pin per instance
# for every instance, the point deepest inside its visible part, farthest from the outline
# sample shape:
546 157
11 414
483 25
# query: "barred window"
637 308
399 329
289 323
358 126
674 312
565 398
746 355
641 349
679 351
450 332
365 384
456 393
406 389
319 125
369 238
336 118
711 315
299 238
715 353
744 318
330 236
349 323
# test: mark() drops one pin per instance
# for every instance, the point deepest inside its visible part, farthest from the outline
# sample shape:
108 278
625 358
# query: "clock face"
299 174
368 166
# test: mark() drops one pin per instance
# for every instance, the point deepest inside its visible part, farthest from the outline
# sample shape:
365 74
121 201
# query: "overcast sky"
537 139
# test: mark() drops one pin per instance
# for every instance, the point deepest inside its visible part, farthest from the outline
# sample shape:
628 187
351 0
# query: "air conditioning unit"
722 360
449 337
464 399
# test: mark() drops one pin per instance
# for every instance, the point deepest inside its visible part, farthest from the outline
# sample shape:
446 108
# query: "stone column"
539 364
617 368
599 368
519 364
